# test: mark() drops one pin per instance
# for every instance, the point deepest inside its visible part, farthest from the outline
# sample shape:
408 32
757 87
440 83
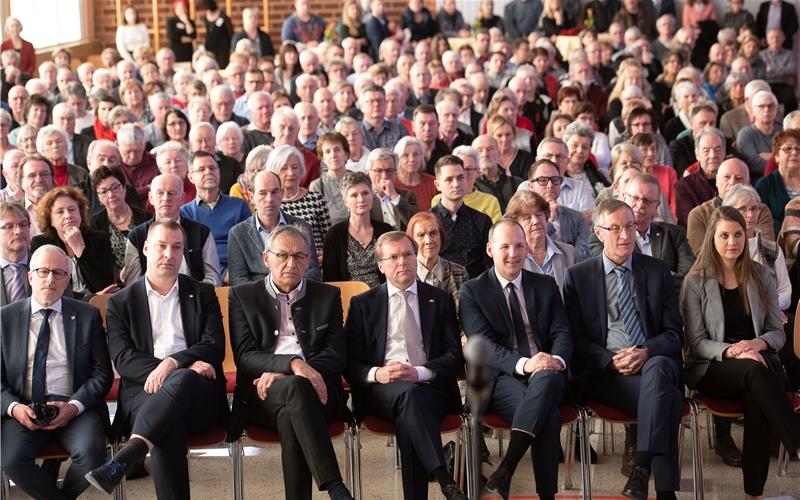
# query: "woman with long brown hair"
733 331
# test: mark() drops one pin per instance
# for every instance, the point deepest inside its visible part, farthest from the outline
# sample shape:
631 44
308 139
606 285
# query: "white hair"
130 134
226 127
280 155
47 131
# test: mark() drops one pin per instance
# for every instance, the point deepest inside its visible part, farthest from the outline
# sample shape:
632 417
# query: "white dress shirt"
395 339
287 341
165 320
644 242
520 366
58 379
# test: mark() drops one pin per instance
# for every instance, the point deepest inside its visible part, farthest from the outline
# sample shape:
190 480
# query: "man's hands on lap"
541 361
395 371
302 369
630 360
157 377
66 412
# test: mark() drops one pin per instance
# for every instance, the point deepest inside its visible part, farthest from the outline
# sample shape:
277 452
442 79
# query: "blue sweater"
228 212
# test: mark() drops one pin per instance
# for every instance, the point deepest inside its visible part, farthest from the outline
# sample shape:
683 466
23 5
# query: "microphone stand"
476 353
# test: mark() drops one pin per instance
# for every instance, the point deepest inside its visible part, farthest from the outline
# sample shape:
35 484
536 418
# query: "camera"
45 413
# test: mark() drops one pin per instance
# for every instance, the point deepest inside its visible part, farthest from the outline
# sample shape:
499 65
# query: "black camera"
45 413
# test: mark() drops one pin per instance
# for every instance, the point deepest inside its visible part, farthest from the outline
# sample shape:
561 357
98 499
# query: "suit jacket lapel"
70 331
640 282
23 329
502 304
600 297
300 316
530 309
427 306
189 312
656 242
140 309
382 315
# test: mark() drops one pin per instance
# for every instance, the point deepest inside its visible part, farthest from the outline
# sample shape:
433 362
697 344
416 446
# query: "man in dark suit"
522 316
251 22
404 357
248 239
64 342
15 226
787 20
666 242
627 329
166 337
289 346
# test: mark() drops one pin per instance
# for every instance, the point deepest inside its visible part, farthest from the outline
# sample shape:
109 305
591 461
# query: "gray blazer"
704 320
245 249
3 298
573 230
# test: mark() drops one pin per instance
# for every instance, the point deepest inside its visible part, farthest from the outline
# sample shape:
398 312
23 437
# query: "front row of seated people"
618 332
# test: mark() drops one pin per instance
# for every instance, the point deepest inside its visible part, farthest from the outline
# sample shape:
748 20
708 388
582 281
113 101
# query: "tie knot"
510 287
46 313
620 271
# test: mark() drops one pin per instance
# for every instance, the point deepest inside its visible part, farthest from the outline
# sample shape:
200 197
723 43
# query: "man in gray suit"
64 342
566 225
15 226
395 206
247 240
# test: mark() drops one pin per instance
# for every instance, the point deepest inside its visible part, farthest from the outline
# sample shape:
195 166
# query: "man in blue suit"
404 356
64 342
624 314
522 316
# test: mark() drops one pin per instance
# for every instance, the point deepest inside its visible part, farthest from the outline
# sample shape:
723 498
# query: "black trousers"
293 409
532 404
417 411
655 397
186 403
766 411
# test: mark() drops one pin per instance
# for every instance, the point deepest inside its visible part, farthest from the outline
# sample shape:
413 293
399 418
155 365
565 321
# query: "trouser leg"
19 449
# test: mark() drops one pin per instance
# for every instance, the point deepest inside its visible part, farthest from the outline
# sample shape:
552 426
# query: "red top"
667 178
425 190
27 56
62 176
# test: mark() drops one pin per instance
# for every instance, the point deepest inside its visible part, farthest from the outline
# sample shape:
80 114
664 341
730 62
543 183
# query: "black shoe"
453 492
106 477
627 460
636 487
499 483
726 448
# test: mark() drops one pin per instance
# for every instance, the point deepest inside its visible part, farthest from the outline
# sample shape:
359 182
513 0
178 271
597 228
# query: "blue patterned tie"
627 309
38 386
15 285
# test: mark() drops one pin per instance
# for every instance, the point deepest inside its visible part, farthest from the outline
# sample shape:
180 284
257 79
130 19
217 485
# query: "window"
49 22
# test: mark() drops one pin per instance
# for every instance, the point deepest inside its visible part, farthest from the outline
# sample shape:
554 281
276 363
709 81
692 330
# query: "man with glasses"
287 334
166 336
64 342
404 355
396 205
36 177
253 82
566 224
701 115
755 141
623 309
378 131
217 211
200 259
15 224
643 121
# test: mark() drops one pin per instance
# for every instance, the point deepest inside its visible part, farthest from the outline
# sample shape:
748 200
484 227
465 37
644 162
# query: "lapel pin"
191 296
431 300
277 333
72 318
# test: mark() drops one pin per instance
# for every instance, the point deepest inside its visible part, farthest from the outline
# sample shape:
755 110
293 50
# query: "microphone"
479 385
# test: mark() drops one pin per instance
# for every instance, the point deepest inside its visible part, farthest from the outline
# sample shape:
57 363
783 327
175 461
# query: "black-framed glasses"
285 256
44 272
556 180
113 189
636 199
616 229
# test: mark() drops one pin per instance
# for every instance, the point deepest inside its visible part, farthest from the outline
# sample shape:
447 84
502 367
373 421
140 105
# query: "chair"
569 416
613 415
52 450
228 364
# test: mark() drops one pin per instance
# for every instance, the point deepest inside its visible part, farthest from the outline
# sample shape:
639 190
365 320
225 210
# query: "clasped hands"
299 368
25 415
168 365
630 360
396 371
747 349
539 362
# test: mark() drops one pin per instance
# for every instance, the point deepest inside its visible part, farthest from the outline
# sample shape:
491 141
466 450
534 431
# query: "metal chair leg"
697 458
121 491
357 490
585 451
236 451
500 435
5 487
783 461
569 456
710 430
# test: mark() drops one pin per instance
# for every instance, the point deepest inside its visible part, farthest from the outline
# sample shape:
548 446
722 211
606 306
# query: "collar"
199 201
609 266
437 271
152 291
393 290
4 262
36 307
504 282
262 229
293 295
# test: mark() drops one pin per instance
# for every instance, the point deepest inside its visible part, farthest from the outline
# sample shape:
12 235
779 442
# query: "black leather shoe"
499 483
453 492
106 477
636 487
627 460
726 448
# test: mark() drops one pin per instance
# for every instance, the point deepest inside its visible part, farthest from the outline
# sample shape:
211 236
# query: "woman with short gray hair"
747 201
288 164
578 138
349 249
255 162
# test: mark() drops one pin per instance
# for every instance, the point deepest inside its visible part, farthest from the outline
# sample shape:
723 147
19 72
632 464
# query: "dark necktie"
627 309
38 386
519 325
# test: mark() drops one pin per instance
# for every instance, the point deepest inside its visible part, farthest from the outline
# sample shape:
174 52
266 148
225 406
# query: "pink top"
693 14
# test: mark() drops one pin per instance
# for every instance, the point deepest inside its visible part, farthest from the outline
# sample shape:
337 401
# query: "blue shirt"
220 219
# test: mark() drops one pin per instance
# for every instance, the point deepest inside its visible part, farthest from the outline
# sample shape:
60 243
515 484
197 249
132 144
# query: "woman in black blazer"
63 215
349 249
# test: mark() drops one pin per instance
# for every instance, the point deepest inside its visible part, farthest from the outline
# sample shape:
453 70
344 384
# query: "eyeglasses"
397 257
205 168
556 180
44 272
14 225
284 256
644 201
616 229
382 171
553 157
113 189
790 149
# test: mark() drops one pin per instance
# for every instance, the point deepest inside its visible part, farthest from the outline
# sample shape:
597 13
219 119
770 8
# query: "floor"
210 474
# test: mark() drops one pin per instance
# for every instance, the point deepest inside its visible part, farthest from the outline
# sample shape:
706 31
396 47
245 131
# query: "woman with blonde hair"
629 74
514 160
351 25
